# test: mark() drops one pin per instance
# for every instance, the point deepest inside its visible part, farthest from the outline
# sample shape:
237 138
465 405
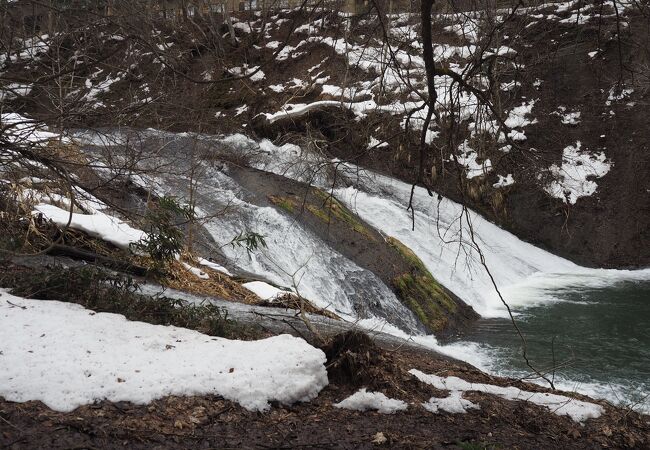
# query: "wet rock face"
436 309
441 312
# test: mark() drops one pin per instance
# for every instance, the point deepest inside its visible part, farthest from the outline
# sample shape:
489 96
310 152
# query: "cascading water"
447 238
293 257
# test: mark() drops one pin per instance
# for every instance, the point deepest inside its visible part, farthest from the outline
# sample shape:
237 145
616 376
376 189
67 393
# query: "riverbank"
594 339
212 422
491 412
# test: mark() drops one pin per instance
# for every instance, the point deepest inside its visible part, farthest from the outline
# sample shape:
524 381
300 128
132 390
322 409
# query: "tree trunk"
426 7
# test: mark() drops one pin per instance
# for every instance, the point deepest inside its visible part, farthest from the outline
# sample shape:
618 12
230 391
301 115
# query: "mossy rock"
286 203
420 291
323 206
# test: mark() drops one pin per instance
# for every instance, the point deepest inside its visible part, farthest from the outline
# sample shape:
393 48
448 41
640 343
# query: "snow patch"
214 266
561 405
468 158
98 224
571 180
454 403
67 356
19 129
264 290
504 181
195 271
363 400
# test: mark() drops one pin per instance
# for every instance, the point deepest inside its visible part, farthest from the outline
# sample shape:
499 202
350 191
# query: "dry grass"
218 285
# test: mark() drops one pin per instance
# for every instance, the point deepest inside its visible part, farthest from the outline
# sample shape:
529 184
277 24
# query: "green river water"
597 338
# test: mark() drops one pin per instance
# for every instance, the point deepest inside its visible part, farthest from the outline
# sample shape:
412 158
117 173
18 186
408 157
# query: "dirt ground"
212 422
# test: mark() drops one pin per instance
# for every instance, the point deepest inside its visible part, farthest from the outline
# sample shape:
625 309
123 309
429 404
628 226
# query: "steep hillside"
568 171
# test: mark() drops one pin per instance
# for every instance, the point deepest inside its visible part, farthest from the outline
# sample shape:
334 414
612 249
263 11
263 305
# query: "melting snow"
214 266
14 90
567 117
364 401
67 356
618 94
264 290
467 158
376 143
19 129
561 405
196 271
504 181
454 403
517 117
98 225
572 178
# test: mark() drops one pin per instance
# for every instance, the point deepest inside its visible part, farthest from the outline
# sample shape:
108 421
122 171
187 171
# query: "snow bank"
364 401
99 225
67 356
561 405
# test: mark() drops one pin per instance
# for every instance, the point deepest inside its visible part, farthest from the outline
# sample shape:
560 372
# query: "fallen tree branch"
95 258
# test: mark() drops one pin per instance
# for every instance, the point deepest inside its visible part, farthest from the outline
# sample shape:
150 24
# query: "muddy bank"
212 422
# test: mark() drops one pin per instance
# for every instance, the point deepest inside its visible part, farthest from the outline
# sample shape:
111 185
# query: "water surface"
598 340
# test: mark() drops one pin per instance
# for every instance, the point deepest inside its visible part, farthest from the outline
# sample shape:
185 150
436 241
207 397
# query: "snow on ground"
14 90
195 271
67 356
19 129
255 74
299 109
376 143
617 93
97 224
214 266
504 181
264 290
467 158
567 117
363 400
454 403
99 87
574 179
31 50
517 117
561 405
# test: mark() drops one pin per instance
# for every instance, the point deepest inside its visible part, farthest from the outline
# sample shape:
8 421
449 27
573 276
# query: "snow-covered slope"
67 356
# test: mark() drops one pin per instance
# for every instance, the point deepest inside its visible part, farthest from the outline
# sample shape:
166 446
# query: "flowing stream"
594 340
587 323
